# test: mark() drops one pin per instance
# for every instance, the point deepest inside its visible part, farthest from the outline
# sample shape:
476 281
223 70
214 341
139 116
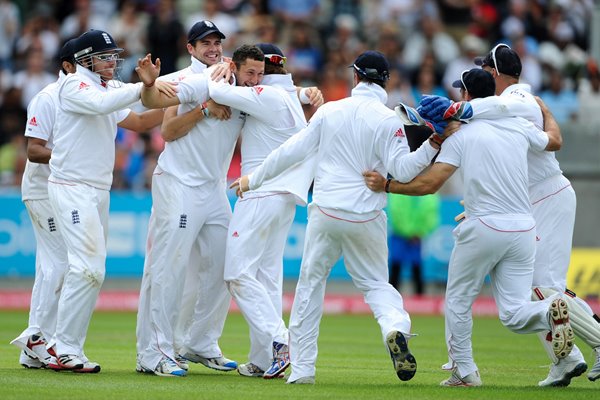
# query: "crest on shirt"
83 85
33 121
258 89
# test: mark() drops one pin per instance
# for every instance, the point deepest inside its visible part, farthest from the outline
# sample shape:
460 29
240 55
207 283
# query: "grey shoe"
561 373
182 362
219 363
404 362
595 371
250 369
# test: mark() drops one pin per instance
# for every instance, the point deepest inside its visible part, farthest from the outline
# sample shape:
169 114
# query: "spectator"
9 29
304 55
33 79
471 46
588 96
81 20
560 99
166 36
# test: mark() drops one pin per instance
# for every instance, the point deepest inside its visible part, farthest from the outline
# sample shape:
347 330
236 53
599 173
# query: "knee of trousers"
93 275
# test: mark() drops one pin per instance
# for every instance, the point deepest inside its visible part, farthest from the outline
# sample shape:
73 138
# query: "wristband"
204 109
387 185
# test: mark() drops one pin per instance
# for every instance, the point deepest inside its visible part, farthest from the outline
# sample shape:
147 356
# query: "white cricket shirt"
86 127
274 114
492 158
41 115
350 136
204 154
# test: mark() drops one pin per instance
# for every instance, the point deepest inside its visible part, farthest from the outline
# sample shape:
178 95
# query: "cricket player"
498 235
349 137
51 253
80 179
553 205
205 49
261 220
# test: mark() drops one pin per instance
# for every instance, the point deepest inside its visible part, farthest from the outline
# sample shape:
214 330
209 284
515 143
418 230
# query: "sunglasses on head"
372 73
493 52
107 57
462 78
275 59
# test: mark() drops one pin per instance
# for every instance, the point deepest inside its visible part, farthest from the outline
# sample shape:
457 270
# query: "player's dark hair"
362 78
271 69
246 51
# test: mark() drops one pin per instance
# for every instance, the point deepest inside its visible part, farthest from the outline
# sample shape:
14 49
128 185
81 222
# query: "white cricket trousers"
553 206
183 218
482 248
254 267
82 215
362 240
51 264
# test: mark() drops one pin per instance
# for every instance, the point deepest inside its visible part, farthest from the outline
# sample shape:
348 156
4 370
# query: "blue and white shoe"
281 360
168 367
182 362
219 363
404 362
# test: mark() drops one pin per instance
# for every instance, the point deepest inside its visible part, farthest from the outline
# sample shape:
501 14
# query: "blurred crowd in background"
428 43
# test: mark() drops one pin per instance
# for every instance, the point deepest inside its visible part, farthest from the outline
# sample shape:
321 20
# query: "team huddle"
520 209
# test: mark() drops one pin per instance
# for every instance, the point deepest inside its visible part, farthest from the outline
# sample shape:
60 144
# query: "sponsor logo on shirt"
83 85
235 234
33 121
399 133
258 89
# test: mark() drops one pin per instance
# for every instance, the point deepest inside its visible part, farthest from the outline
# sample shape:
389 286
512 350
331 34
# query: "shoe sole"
566 381
276 373
562 333
594 377
404 362
93 370
216 367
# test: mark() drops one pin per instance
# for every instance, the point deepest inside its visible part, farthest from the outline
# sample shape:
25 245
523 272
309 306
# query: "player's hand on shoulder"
315 96
374 181
169 89
222 70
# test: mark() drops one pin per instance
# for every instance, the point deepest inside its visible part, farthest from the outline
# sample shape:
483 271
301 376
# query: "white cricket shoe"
89 367
305 380
69 362
141 369
29 362
168 367
562 372
404 362
473 379
594 373
219 363
562 333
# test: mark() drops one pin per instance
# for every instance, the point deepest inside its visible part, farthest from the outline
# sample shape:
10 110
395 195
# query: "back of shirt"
492 158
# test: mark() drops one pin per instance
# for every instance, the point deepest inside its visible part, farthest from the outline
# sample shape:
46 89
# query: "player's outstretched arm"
154 93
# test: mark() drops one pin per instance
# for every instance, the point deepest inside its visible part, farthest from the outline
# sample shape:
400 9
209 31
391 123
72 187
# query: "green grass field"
352 363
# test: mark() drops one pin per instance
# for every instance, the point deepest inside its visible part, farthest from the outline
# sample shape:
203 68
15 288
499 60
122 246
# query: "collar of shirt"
197 66
370 90
284 81
89 74
517 86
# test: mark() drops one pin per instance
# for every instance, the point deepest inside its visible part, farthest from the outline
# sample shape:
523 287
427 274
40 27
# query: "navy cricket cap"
67 52
273 54
478 82
372 65
202 29
504 59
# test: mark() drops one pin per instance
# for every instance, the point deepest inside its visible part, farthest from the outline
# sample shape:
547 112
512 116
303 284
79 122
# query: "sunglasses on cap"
372 73
493 52
107 57
275 59
462 78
